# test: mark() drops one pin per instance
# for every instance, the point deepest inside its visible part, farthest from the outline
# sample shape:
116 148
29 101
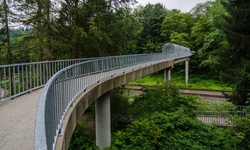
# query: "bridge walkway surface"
17 122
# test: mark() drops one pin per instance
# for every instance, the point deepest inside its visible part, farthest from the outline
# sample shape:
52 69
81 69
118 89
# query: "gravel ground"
207 95
17 122
202 92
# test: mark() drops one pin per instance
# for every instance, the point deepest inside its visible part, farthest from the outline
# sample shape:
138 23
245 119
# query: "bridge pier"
186 71
103 123
167 74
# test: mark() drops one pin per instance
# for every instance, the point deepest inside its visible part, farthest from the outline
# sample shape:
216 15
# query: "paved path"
17 122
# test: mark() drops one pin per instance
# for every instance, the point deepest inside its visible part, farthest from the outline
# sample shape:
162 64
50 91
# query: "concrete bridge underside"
97 90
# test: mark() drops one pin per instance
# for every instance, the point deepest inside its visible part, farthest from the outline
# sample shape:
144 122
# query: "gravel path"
17 122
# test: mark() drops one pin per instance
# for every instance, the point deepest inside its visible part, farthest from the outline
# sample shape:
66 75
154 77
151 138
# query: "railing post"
102 118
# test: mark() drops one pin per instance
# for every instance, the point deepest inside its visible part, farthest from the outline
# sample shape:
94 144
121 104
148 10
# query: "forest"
216 31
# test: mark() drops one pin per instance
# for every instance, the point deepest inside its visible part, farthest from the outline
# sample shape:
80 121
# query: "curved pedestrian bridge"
41 102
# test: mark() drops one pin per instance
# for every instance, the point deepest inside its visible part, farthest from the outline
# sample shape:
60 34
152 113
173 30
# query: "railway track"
209 95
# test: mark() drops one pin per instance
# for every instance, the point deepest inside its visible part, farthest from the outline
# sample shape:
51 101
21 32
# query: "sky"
183 5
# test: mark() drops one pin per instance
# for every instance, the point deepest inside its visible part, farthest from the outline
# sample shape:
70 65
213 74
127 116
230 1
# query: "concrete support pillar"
186 71
167 74
103 123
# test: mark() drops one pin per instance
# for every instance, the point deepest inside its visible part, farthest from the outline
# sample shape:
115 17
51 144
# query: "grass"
195 82
214 106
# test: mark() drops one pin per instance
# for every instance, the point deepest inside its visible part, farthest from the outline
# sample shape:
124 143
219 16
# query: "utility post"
186 70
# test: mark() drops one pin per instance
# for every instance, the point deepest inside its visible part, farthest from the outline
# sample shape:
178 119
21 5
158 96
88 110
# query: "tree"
173 22
208 39
235 60
172 130
82 137
163 119
36 15
103 28
5 20
201 9
151 17
119 109
242 129
163 97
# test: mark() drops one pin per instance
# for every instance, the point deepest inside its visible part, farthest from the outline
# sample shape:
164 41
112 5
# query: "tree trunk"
48 32
39 30
75 23
9 55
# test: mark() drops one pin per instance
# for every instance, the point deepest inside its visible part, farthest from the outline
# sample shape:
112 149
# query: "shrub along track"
208 95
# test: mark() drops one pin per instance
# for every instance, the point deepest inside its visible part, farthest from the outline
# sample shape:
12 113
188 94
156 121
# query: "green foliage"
234 61
173 22
151 17
163 119
180 38
208 40
242 129
201 9
82 138
195 81
201 82
215 106
81 29
172 130
119 106
163 97
150 80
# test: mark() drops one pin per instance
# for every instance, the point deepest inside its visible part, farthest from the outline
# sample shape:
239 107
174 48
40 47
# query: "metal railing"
221 117
220 107
18 79
64 87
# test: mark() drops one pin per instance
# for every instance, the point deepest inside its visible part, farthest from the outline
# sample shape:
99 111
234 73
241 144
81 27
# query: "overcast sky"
183 5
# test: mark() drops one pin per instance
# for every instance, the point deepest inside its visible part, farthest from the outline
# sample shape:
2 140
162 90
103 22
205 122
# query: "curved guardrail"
62 89
18 79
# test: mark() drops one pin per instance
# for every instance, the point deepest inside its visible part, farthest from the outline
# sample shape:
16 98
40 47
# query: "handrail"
18 79
58 95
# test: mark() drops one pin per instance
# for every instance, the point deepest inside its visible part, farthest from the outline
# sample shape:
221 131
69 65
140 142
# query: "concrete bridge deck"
17 122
